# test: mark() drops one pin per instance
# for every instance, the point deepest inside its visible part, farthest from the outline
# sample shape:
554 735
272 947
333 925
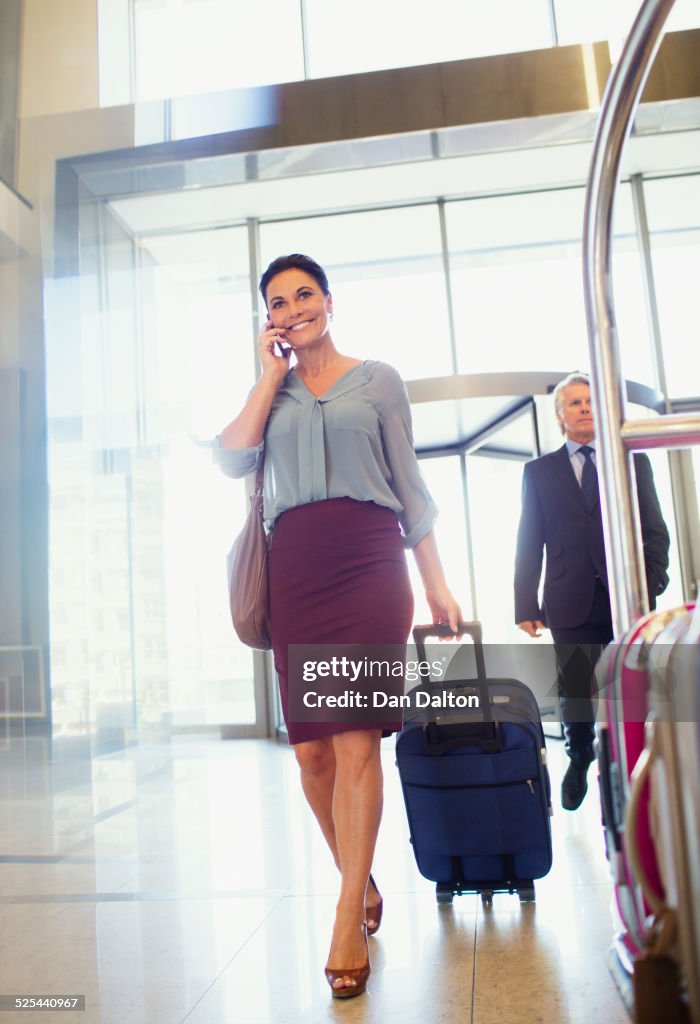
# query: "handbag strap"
260 474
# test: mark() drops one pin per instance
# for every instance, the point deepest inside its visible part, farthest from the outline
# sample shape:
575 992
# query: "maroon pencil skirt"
338 575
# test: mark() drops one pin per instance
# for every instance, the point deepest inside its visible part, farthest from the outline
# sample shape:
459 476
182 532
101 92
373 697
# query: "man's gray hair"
573 378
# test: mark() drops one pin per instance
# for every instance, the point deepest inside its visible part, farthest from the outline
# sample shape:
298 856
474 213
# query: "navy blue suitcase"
476 786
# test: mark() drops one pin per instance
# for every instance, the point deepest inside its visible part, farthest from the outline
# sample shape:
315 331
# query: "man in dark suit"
561 514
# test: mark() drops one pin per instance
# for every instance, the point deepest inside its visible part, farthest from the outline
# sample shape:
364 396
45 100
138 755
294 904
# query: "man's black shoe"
574 787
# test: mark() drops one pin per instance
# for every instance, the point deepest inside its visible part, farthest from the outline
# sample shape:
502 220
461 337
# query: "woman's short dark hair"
295 261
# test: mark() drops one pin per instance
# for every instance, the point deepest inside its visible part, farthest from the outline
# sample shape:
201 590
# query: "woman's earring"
330 316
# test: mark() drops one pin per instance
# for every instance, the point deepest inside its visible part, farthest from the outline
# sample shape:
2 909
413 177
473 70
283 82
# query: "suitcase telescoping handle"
471 629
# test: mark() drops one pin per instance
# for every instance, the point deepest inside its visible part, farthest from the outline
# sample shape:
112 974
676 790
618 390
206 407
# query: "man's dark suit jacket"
556 518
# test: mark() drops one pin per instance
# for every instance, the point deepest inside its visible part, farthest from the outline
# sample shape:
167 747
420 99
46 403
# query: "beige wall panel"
9 313
44 140
59 57
16 220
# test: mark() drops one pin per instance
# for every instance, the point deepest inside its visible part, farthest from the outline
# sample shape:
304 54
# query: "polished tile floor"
186 882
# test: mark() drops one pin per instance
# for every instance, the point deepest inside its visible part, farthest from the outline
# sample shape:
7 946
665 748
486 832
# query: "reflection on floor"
187 882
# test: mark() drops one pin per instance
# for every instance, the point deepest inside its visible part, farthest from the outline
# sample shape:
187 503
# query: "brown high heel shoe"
358 975
374 913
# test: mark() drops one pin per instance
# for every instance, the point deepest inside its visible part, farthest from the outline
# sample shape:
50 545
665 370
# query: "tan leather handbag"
247 574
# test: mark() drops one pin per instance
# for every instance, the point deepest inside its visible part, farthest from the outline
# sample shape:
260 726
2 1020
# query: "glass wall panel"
149 355
191 46
696 473
494 510
153 49
444 479
386 276
114 52
517 283
495 484
684 14
673 212
200 342
583 22
673 595
367 35
579 22
634 329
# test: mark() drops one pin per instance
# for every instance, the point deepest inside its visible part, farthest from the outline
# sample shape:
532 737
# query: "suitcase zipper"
475 785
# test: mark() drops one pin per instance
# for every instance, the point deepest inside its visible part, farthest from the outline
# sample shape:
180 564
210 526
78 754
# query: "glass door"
494 475
150 353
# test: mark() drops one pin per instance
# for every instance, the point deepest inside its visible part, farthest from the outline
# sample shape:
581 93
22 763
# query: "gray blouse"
353 441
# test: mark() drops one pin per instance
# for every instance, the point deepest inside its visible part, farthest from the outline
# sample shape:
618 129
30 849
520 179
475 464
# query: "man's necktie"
589 476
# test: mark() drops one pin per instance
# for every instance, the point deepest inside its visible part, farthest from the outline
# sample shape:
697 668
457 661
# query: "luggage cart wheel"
527 894
487 897
444 893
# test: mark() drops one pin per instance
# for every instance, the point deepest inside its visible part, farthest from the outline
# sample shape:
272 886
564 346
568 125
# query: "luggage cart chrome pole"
617 436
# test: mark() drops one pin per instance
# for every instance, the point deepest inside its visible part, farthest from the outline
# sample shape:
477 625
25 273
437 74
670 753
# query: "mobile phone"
286 352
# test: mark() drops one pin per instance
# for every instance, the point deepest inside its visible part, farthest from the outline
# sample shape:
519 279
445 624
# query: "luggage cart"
618 437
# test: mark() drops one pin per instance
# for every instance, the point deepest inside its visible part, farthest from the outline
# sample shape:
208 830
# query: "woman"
340 476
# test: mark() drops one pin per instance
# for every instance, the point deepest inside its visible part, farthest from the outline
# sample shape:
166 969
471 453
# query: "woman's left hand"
443 607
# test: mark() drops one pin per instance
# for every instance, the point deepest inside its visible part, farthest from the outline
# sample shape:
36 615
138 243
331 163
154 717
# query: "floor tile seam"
592 884
48 859
577 886
237 952
88 791
504 903
40 859
21 939
80 843
118 896
97 819
389 894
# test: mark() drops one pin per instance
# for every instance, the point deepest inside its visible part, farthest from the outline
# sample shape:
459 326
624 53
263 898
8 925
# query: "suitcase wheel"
487 897
444 892
527 894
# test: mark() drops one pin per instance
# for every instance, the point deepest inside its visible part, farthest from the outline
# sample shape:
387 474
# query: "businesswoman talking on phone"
343 497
